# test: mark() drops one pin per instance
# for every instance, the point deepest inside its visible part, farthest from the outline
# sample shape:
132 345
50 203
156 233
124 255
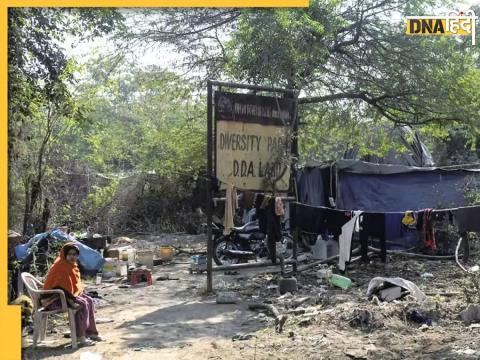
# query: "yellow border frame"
10 336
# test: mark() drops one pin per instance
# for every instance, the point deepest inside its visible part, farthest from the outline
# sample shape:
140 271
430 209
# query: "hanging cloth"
345 240
279 208
230 207
427 230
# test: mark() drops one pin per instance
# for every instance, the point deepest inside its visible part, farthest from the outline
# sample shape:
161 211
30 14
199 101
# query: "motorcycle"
245 243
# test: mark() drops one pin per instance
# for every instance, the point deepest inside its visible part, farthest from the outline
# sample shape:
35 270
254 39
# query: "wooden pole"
209 188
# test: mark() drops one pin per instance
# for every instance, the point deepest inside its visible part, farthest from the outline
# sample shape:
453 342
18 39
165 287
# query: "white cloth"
230 207
378 283
345 240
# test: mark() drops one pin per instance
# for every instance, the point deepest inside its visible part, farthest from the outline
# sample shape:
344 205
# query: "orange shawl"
63 274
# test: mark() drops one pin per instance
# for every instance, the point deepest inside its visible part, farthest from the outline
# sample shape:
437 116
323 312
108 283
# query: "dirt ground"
173 319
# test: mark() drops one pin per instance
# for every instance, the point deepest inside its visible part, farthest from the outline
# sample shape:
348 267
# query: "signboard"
252 147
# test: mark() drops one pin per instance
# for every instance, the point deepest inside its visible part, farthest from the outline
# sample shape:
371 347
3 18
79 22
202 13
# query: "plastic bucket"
166 252
109 268
145 257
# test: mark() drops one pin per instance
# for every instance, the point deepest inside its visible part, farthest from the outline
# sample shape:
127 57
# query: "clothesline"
381 225
389 212
285 198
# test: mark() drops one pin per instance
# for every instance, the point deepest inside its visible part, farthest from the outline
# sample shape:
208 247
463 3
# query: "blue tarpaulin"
390 188
89 259
400 192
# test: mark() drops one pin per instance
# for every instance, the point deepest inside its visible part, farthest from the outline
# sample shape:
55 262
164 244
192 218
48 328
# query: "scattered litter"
340 281
241 337
146 323
474 326
122 240
390 294
231 272
471 314
379 283
166 277
424 327
287 285
419 317
124 286
475 268
284 296
363 319
103 320
426 275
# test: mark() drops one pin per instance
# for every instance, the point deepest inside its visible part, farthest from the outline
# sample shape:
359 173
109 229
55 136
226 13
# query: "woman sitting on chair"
65 275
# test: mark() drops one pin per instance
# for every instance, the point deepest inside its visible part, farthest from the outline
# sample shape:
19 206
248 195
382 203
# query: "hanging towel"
345 240
428 233
230 207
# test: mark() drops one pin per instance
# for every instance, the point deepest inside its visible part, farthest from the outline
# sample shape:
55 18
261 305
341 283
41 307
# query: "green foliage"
100 198
41 106
146 120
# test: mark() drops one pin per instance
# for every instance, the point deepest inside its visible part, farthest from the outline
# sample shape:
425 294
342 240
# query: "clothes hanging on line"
427 232
372 225
345 240
230 207
410 218
318 219
467 219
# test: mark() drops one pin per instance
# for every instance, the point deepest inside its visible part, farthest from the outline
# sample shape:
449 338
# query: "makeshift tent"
391 188
358 185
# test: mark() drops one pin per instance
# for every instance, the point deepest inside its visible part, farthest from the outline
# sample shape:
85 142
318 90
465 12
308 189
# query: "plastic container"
122 268
145 257
198 259
324 274
319 250
166 252
340 281
127 254
332 246
109 268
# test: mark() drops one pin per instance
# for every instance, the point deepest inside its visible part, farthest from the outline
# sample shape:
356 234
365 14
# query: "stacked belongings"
39 246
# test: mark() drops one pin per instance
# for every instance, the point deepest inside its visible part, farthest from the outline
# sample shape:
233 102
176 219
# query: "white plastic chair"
35 290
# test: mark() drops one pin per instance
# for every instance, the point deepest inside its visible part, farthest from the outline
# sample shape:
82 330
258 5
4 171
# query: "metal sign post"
209 186
247 126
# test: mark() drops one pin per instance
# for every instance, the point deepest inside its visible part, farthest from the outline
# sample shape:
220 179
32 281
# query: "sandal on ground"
86 342
96 338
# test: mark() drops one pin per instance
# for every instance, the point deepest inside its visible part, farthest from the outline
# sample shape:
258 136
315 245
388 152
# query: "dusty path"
172 320
169 320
